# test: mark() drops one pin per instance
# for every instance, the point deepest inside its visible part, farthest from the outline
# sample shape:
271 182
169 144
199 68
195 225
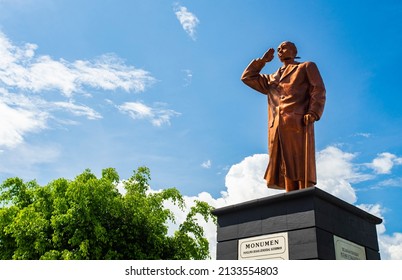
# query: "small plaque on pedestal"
347 250
264 247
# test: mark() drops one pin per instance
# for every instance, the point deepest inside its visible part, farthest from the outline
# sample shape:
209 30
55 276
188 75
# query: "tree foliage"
88 218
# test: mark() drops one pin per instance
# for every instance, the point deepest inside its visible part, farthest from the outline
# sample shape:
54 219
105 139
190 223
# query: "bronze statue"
296 99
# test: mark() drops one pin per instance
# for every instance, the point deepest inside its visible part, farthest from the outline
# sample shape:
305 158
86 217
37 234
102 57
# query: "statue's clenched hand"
309 118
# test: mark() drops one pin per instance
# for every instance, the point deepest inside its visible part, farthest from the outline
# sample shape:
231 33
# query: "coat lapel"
288 70
275 77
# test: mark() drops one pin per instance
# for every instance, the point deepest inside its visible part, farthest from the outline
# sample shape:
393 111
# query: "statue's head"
287 50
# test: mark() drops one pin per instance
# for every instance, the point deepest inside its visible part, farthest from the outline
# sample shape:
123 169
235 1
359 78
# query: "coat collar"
289 69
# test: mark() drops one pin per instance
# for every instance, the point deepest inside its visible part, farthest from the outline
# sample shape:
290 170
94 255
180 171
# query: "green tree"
88 218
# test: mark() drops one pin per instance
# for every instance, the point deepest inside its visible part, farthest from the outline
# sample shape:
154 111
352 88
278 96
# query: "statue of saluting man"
296 99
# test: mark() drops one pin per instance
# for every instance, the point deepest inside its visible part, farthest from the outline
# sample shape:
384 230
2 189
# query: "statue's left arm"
317 91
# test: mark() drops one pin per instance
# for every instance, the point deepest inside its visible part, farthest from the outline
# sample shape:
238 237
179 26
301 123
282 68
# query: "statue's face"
286 51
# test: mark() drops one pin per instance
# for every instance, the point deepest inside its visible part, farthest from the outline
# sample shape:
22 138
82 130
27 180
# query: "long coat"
291 94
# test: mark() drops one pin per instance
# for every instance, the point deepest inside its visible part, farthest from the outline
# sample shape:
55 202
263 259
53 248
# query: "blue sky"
118 83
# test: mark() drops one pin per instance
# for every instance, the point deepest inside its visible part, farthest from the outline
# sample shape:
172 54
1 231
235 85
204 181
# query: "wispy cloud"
188 76
108 72
363 134
391 182
157 115
206 164
188 20
22 69
26 76
77 110
15 122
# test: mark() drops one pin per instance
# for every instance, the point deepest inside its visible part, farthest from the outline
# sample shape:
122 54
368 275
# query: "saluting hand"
268 55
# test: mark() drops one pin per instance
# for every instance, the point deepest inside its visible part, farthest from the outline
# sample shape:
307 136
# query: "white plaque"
264 247
347 250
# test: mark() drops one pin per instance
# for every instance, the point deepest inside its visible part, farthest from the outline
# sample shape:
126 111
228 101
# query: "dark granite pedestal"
298 225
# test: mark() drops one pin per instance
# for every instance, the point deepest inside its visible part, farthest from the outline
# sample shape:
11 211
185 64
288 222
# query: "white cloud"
391 246
188 20
245 180
136 110
158 115
206 164
336 173
21 68
16 121
384 162
108 72
78 110
46 74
